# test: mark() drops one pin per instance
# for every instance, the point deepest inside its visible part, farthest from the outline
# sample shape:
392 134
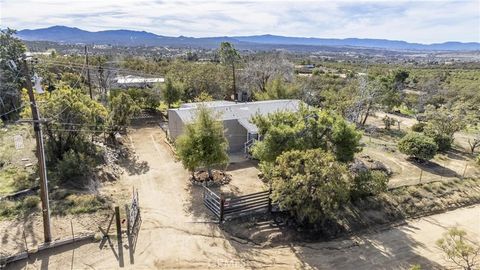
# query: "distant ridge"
66 34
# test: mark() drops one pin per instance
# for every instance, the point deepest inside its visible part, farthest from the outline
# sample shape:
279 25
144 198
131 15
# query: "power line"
74 65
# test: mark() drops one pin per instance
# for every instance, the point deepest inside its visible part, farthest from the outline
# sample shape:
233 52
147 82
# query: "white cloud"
417 21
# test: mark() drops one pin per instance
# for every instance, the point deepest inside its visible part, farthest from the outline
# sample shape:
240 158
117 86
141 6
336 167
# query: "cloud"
416 21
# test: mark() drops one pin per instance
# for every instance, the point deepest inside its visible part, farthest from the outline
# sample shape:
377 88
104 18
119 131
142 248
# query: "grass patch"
79 204
10 209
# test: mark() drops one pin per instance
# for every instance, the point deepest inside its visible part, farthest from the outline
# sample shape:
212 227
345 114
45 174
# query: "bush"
444 142
84 203
418 127
369 183
31 202
144 98
78 204
418 146
388 122
73 166
7 208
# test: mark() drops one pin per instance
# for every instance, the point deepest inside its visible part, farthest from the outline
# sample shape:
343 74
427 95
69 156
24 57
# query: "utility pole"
88 73
40 155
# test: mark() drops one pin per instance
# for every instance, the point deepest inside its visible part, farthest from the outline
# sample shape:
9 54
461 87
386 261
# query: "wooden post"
270 200
119 236
421 172
222 207
464 170
42 167
71 226
25 240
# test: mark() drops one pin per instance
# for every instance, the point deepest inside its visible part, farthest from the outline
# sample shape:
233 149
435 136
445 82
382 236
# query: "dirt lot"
381 146
178 232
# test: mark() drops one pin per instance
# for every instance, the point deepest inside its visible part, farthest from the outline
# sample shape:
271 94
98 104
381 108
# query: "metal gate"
230 208
213 202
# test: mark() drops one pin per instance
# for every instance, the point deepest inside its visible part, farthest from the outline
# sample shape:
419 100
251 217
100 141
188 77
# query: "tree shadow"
435 168
241 165
195 205
132 165
457 154
363 236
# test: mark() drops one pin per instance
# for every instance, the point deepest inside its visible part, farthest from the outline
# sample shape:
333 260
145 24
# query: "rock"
358 166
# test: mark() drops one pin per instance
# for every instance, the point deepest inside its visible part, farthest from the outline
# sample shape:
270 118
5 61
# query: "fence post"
465 169
222 206
119 236
270 200
73 234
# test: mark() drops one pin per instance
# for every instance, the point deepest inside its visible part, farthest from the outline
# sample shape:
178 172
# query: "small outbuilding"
239 131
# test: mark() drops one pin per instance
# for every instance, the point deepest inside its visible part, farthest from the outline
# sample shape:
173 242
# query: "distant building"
135 81
236 117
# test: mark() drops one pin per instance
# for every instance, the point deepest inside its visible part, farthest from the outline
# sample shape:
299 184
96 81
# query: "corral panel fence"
234 207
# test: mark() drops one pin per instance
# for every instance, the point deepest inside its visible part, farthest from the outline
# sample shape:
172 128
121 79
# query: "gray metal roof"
242 112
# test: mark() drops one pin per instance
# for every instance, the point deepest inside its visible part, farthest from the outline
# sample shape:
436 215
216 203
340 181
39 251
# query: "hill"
141 38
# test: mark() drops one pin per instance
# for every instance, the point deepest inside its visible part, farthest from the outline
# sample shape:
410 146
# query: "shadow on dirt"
435 168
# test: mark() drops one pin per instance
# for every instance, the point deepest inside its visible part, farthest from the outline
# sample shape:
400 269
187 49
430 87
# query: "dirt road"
177 232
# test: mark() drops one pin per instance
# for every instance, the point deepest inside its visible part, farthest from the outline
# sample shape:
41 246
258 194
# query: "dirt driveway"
177 232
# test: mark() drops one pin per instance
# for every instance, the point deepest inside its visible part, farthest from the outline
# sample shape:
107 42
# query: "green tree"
442 124
122 109
229 56
310 184
306 129
203 143
171 93
458 249
73 117
12 50
277 89
418 146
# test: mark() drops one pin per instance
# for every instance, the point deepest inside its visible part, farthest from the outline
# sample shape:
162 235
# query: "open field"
178 232
381 146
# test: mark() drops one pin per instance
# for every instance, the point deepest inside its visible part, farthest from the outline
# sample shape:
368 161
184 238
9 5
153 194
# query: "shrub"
22 181
369 183
418 127
78 204
30 202
388 122
444 142
7 208
84 203
418 146
73 166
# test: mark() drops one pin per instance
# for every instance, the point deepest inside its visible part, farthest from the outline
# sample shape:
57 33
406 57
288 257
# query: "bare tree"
261 70
368 100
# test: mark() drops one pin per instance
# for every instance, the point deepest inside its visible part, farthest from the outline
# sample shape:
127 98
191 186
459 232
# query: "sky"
428 21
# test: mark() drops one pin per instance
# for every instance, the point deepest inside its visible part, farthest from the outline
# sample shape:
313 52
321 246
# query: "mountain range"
74 35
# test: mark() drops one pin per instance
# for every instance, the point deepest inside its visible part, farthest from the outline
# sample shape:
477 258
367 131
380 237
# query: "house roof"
243 112
129 79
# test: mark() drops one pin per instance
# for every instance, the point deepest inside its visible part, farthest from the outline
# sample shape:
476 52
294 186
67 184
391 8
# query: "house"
135 81
239 131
